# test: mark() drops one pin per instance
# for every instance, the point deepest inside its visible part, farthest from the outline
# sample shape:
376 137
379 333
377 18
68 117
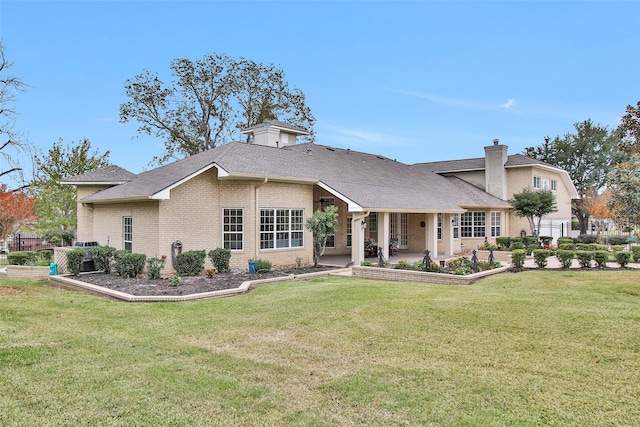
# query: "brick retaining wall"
397 275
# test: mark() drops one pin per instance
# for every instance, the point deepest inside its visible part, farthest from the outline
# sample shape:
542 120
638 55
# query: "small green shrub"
74 261
636 253
617 240
45 255
566 257
433 268
263 266
220 258
562 240
503 242
128 264
567 246
20 257
540 257
585 258
623 258
175 280
546 240
190 263
601 258
617 248
600 247
103 257
404 265
460 266
366 263
154 267
517 245
586 238
518 257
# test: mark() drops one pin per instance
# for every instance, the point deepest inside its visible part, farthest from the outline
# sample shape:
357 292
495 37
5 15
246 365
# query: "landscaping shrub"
546 240
74 261
600 247
263 266
460 266
45 255
154 267
567 246
636 253
128 264
565 257
21 257
103 257
586 238
540 257
190 263
617 248
518 257
617 240
433 268
404 265
601 258
623 258
586 246
585 258
530 241
562 240
220 258
517 244
503 243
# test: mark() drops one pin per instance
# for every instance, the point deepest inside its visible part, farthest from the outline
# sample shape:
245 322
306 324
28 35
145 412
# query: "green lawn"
533 348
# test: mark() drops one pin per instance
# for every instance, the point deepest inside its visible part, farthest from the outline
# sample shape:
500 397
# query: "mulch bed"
189 284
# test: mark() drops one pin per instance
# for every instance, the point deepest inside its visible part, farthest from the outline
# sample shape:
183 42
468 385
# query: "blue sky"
415 81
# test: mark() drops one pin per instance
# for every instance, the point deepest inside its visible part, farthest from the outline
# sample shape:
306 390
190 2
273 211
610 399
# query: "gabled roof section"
471 197
476 164
110 175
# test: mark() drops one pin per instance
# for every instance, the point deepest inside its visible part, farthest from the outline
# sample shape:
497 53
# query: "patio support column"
431 230
384 229
447 234
357 237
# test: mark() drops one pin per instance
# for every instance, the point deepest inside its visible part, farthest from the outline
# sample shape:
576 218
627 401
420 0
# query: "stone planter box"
33 272
397 275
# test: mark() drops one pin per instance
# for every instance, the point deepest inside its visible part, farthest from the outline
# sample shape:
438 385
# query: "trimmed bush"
103 257
617 240
503 242
190 263
567 246
517 245
623 258
562 240
546 240
518 257
128 264
636 253
540 257
585 258
74 261
601 258
154 267
21 257
586 238
220 258
617 248
566 257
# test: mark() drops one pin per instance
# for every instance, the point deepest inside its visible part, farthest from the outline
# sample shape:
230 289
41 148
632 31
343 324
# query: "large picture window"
473 224
127 233
233 229
281 228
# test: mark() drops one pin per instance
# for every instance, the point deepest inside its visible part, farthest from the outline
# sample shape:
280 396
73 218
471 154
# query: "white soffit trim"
165 193
351 205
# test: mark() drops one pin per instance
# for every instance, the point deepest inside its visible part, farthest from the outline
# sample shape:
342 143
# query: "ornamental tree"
533 205
16 208
322 224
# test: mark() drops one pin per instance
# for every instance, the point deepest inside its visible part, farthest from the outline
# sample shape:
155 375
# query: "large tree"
533 205
588 155
9 143
16 208
629 130
56 203
210 101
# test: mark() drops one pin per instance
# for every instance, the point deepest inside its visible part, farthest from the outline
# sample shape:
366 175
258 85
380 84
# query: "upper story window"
545 184
554 185
536 182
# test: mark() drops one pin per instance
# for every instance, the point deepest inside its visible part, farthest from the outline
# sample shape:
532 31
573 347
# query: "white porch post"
357 238
432 233
384 229
447 234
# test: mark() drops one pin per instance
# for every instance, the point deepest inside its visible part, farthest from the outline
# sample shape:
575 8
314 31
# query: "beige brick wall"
85 212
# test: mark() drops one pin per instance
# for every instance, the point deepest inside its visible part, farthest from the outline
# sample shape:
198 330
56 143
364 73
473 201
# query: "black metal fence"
27 242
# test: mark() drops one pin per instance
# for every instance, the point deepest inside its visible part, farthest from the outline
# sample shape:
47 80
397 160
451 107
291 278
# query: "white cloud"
510 103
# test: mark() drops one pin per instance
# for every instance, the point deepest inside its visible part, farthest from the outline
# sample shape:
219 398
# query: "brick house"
254 198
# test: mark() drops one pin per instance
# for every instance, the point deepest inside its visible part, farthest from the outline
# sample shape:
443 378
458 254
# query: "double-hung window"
473 224
233 228
496 223
349 230
281 228
455 225
127 233
536 182
439 232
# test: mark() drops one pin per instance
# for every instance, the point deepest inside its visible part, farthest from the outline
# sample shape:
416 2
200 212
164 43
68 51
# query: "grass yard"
535 348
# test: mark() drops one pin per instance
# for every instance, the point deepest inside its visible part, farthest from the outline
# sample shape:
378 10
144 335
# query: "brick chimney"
273 133
495 177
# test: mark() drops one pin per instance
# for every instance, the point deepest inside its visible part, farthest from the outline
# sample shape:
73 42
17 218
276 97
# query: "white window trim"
224 232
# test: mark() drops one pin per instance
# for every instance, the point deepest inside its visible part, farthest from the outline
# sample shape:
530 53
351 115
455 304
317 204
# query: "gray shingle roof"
448 166
108 175
370 181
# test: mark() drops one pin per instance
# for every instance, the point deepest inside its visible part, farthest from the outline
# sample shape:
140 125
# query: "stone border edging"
64 282
399 275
